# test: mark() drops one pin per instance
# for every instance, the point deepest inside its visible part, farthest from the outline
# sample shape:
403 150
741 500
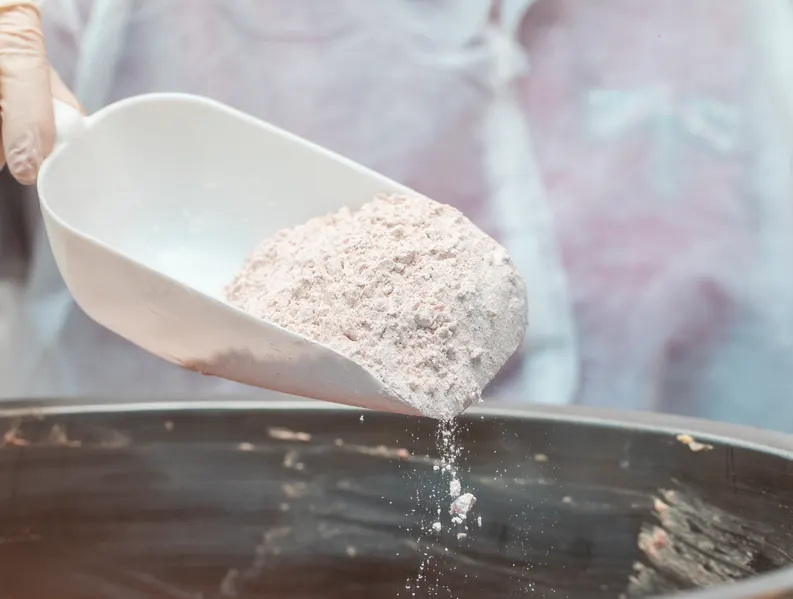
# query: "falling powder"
455 488
462 505
405 286
426 582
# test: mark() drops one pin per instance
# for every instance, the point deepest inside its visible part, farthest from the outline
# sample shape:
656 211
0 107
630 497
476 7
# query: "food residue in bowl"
692 443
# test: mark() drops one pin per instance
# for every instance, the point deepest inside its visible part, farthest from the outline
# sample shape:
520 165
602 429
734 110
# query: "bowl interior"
327 504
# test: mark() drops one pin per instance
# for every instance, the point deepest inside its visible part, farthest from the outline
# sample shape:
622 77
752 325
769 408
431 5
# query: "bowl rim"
748 437
772 585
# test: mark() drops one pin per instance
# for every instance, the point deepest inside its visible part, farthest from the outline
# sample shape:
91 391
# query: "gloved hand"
27 86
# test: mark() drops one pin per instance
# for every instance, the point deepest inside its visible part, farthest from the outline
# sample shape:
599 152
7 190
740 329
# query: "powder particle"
291 461
436 526
59 437
461 535
462 505
405 286
12 436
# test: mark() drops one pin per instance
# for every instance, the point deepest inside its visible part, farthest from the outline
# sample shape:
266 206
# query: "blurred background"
633 155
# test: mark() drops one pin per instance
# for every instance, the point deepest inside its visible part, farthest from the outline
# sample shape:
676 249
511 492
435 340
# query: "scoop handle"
69 122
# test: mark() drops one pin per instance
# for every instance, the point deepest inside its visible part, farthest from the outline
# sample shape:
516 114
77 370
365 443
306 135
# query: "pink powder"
405 286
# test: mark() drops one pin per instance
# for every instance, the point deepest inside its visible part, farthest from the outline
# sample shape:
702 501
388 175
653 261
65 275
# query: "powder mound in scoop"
405 286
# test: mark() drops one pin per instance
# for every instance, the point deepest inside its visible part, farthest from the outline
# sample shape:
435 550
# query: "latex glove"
27 86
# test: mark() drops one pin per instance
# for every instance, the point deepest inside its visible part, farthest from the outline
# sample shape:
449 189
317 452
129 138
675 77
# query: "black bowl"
216 500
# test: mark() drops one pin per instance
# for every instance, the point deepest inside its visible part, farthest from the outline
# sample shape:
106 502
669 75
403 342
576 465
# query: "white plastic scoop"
152 204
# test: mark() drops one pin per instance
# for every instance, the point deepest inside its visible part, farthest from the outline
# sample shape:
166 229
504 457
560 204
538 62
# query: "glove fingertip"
24 156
